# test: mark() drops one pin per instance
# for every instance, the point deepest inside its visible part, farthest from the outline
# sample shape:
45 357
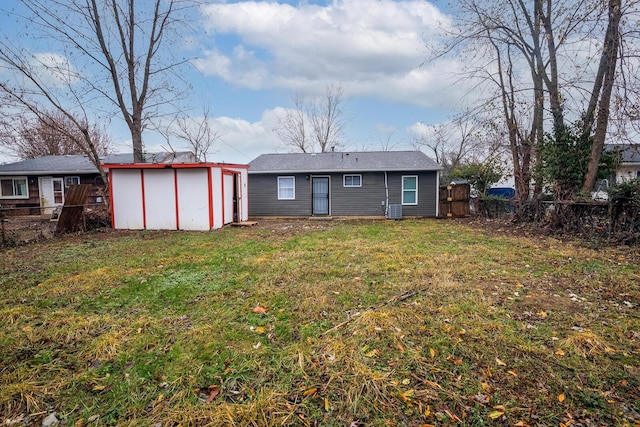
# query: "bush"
494 207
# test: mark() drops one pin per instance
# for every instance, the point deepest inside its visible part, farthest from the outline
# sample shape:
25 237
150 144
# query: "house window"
409 190
14 188
352 180
286 188
71 180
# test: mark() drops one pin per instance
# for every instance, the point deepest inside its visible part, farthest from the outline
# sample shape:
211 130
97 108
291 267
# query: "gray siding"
344 201
263 196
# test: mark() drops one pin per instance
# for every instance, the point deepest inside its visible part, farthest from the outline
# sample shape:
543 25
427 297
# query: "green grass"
380 323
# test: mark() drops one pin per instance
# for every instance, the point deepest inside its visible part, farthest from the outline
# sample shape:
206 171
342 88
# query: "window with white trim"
14 188
286 188
71 180
410 190
352 180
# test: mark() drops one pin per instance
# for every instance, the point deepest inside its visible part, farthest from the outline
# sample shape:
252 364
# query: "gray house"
364 184
36 186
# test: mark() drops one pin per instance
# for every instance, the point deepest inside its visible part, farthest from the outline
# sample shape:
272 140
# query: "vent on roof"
394 211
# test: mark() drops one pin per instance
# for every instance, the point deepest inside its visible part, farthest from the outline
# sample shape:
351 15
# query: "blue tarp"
506 192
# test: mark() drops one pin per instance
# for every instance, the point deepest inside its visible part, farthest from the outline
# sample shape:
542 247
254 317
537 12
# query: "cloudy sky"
252 56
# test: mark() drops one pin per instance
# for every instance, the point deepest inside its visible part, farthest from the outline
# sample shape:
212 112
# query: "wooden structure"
71 218
454 201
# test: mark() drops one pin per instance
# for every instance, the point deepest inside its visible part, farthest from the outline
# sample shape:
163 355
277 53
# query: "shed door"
320 194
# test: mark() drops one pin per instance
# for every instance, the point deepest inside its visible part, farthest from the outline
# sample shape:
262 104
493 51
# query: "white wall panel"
160 199
193 199
126 199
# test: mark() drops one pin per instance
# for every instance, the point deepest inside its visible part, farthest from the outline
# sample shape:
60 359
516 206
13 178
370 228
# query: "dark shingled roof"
630 153
365 161
79 164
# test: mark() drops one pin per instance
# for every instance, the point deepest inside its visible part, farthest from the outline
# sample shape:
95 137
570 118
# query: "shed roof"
78 164
365 161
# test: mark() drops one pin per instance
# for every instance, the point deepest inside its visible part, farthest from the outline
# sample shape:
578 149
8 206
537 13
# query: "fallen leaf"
406 381
310 391
214 391
454 360
400 347
257 346
561 397
559 352
432 352
481 398
260 329
326 405
542 314
496 414
500 362
500 408
260 310
98 387
512 372
521 424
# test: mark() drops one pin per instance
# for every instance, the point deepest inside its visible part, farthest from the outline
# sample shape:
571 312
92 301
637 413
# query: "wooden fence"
454 201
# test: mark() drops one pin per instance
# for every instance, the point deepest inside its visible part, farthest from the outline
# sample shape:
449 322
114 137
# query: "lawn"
341 323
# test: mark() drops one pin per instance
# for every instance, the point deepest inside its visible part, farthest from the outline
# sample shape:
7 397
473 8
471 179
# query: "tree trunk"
608 63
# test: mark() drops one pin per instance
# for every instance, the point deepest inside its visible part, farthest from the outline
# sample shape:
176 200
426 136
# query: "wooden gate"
454 201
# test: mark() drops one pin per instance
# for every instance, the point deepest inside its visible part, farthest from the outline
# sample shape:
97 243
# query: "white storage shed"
177 196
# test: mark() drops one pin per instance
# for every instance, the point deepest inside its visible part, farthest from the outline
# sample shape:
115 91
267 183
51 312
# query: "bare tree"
314 124
52 134
199 134
292 127
327 118
104 50
464 139
509 40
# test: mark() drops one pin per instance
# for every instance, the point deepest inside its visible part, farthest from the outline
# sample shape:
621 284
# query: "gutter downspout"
386 191
437 194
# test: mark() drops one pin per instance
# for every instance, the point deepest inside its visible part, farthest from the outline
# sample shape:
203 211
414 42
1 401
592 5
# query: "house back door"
320 193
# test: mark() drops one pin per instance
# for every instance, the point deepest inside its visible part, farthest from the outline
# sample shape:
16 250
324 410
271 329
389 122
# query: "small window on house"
352 180
409 190
71 180
286 188
14 188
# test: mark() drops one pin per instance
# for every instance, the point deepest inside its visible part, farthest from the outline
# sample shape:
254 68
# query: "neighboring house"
629 166
365 184
36 186
177 196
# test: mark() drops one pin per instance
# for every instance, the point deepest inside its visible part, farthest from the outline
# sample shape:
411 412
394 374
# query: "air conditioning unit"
394 211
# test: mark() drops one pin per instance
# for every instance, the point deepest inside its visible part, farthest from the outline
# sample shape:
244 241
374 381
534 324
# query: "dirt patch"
17 230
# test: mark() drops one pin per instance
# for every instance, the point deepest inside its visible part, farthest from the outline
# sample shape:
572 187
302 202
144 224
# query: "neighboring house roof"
365 161
630 153
79 164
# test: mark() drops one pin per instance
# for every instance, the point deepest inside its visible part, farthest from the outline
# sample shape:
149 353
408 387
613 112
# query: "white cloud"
371 47
54 69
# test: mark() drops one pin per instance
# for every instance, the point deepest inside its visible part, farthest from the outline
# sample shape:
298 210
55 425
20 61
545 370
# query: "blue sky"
252 56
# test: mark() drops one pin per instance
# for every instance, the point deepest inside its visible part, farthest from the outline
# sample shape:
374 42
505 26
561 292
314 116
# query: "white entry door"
51 193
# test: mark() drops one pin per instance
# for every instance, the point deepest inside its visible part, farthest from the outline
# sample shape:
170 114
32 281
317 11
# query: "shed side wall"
126 200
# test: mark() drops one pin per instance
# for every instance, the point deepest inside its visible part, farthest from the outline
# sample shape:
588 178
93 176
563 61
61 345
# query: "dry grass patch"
373 323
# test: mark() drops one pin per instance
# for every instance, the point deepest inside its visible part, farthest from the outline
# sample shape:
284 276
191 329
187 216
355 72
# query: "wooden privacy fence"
454 201
70 219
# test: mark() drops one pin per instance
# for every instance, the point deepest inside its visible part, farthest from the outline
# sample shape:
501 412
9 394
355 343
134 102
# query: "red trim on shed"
144 202
113 213
171 165
175 190
210 180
